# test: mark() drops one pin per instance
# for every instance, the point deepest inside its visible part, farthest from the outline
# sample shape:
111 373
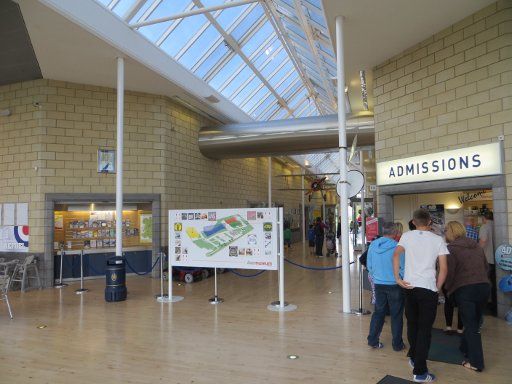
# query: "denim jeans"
420 311
392 296
472 300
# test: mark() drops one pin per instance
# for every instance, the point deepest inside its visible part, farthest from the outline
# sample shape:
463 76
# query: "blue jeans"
392 296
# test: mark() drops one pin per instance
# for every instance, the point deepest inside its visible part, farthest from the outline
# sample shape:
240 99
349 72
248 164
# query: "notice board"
224 238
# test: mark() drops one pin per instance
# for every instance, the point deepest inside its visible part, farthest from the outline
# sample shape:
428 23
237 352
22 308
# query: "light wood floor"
141 341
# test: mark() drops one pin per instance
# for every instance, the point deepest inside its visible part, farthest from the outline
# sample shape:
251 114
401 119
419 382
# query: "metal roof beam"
201 10
132 11
271 12
314 50
232 42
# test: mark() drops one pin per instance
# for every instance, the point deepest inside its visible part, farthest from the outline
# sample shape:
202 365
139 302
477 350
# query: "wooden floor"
141 341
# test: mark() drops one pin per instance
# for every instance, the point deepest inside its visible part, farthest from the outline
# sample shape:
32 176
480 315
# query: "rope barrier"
142 273
247 276
314 268
191 270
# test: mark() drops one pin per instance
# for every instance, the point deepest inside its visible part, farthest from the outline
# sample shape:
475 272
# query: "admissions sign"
224 238
481 160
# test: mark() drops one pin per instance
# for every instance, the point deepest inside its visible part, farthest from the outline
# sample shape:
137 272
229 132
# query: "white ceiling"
376 30
67 52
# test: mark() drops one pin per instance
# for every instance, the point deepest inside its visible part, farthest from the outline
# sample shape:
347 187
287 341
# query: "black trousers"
449 306
319 245
420 311
494 300
471 300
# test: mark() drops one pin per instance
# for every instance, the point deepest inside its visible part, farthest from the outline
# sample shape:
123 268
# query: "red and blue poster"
14 238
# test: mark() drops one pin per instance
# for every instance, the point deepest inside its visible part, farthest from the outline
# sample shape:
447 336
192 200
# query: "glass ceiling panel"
257 71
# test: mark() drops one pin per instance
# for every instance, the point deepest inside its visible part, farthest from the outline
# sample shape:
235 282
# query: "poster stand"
60 283
215 299
82 290
281 305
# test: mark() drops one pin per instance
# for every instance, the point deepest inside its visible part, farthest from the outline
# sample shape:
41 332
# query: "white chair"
4 289
21 272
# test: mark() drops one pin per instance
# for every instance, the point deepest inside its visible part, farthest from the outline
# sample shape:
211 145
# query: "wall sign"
481 160
503 256
106 161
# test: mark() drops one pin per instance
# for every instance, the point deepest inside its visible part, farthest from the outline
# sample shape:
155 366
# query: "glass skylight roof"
274 60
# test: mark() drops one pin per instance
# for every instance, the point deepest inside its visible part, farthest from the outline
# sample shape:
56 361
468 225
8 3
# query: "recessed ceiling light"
293 357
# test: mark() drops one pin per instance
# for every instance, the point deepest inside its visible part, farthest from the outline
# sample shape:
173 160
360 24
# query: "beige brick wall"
452 90
61 137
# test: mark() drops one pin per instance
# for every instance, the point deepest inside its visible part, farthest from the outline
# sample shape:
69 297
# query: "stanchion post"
162 295
169 298
215 299
360 311
281 305
82 290
61 284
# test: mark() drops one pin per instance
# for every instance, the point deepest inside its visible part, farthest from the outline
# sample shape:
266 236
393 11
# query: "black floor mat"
393 380
445 348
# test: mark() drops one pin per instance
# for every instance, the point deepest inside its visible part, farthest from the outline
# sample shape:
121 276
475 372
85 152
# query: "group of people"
318 231
410 269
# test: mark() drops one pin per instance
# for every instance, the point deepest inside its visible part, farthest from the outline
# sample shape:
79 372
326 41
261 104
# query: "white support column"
270 182
119 156
343 165
304 225
363 197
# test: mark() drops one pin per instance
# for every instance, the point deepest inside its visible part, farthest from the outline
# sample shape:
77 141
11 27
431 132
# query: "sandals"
467 365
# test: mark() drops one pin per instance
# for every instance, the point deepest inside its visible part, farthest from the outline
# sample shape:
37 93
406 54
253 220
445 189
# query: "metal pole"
342 144
61 284
169 298
363 220
119 156
162 296
270 182
304 225
82 289
282 303
215 299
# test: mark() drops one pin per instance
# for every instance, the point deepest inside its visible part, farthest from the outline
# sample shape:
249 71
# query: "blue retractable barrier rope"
246 276
314 268
142 273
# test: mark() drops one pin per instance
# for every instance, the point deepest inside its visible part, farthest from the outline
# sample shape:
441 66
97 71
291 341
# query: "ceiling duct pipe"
282 137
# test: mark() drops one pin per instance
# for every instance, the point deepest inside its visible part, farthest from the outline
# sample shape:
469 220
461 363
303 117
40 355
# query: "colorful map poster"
146 228
224 238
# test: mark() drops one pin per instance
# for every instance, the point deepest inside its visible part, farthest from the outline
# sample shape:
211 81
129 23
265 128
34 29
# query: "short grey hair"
388 229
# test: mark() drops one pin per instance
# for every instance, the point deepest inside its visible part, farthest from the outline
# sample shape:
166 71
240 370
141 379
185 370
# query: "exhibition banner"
224 238
14 238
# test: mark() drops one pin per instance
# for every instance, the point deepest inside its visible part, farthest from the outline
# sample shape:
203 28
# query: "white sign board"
14 238
224 238
481 160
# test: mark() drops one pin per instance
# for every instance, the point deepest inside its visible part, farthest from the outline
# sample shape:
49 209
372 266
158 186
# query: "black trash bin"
115 274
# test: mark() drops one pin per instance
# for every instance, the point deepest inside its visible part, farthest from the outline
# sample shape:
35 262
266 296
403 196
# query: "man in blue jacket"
387 291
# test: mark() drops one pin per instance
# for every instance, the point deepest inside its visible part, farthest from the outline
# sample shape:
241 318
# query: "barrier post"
215 299
82 290
281 305
169 298
61 284
162 295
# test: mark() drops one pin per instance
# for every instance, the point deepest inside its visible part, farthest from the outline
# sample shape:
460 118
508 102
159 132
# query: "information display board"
224 238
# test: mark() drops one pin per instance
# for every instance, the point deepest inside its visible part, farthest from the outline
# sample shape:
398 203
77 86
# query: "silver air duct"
282 137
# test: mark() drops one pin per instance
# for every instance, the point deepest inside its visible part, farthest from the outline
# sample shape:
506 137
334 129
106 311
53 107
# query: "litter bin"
115 274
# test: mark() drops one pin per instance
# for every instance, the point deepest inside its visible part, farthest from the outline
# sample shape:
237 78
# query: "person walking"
486 241
388 293
319 236
468 283
423 250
